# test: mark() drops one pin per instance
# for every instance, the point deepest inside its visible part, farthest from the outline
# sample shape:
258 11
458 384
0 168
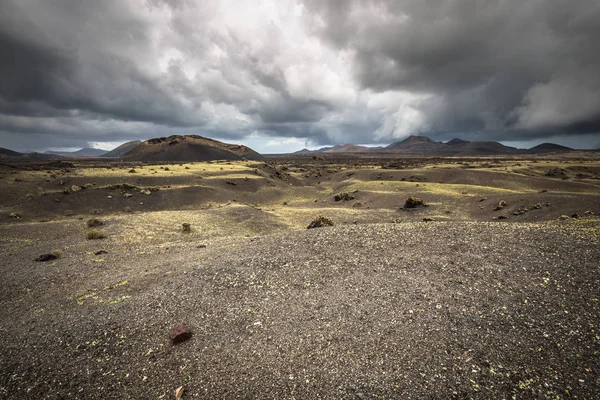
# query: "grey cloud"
489 65
86 71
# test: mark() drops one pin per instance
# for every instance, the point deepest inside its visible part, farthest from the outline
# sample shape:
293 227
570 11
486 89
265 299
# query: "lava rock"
179 333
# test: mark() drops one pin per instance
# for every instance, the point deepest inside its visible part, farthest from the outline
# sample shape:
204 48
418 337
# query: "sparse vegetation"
343 197
413 202
95 234
320 222
92 222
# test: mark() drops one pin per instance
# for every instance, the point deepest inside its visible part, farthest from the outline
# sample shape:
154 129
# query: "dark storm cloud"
513 66
326 71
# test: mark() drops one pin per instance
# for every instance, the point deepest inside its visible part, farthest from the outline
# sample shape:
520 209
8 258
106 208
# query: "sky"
282 75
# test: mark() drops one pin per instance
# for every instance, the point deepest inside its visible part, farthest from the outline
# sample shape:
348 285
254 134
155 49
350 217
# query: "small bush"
94 222
343 197
57 253
185 227
15 215
95 234
413 202
320 222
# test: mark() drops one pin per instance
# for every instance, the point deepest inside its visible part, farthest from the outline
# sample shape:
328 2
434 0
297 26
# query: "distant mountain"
85 152
122 149
456 147
11 155
547 148
457 141
304 151
347 148
483 149
189 148
415 144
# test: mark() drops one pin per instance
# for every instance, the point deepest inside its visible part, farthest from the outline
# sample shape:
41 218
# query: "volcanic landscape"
184 264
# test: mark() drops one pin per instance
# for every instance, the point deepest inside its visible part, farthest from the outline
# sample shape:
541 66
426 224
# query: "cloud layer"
324 71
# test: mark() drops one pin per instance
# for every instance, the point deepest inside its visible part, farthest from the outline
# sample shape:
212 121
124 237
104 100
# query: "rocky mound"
189 148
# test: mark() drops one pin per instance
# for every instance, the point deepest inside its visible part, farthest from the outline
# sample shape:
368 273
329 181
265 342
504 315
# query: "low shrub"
320 222
95 234
94 222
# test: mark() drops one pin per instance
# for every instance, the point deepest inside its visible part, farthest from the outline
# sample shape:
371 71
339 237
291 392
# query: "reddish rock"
179 334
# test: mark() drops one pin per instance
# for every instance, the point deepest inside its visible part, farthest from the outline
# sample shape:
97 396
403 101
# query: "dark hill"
416 144
189 148
548 147
484 148
122 149
11 155
7 153
457 141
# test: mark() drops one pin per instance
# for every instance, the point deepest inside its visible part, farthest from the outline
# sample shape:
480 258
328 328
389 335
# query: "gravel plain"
369 311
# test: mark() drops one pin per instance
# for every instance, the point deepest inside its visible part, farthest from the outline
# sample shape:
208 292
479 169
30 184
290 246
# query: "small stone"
179 334
201 246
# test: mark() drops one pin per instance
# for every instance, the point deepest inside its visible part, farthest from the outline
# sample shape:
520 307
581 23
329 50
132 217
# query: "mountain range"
422 145
198 148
